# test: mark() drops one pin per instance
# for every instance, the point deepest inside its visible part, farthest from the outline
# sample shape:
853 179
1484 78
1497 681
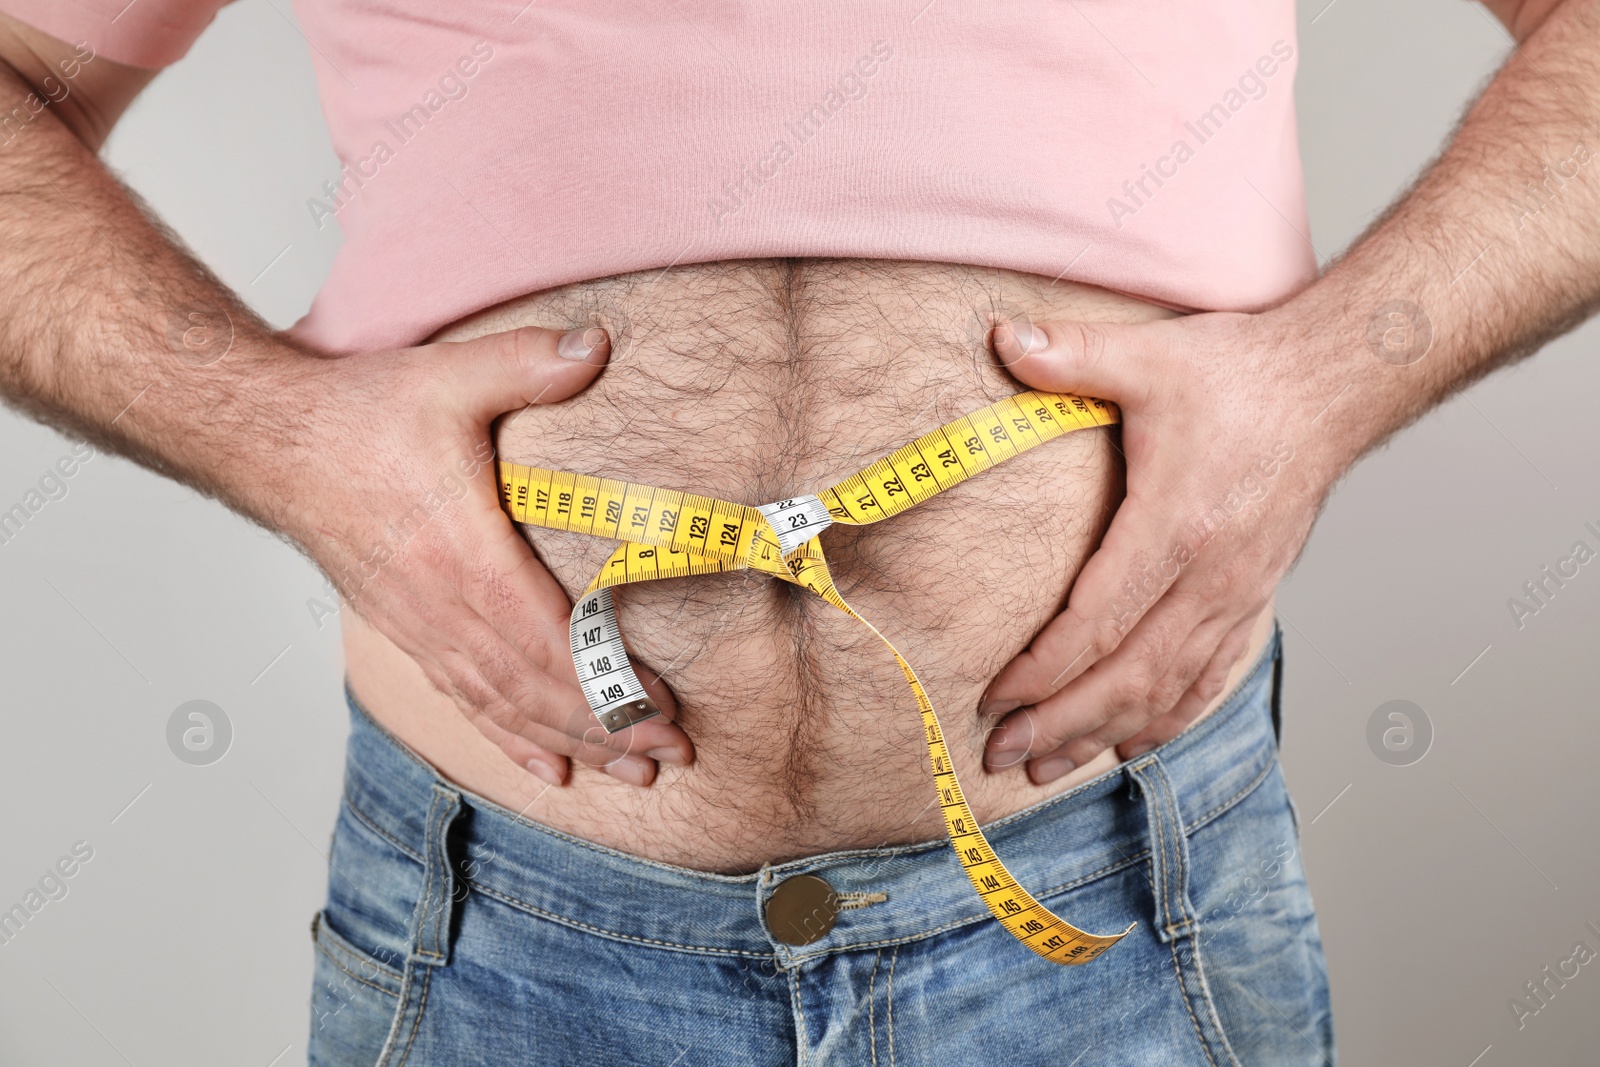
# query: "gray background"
1443 886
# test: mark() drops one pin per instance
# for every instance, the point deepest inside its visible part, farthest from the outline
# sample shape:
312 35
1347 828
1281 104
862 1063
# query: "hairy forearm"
111 331
1494 251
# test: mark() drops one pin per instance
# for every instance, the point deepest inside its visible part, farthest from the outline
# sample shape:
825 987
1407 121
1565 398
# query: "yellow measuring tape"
670 534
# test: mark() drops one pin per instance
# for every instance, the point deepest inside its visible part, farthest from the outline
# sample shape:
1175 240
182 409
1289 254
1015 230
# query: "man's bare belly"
758 380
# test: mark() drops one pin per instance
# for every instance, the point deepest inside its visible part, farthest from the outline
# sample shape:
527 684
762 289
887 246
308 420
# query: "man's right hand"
392 491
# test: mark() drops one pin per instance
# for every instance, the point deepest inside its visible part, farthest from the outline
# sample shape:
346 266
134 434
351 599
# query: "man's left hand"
1218 414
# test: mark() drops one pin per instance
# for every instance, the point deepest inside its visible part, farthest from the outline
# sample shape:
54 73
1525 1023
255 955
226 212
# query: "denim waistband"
1070 840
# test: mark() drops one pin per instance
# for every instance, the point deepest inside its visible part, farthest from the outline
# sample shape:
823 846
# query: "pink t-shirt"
488 152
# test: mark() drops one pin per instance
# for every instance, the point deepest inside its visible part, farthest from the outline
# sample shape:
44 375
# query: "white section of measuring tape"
796 520
605 674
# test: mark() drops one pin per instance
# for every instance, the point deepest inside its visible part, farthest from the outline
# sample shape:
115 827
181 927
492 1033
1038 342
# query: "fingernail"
1008 739
1049 770
668 754
1135 751
544 771
1003 761
1029 340
633 770
580 344
993 709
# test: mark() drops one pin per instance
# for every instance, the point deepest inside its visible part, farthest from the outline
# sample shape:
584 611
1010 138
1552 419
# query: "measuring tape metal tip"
625 715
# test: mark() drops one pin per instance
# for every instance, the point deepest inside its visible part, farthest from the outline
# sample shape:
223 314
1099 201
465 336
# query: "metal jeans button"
801 910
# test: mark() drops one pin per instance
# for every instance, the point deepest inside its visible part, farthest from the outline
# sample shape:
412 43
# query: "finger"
1184 669
1123 681
1175 686
455 673
553 711
1196 680
548 766
1201 695
499 720
473 665
528 609
1113 361
1109 598
552 768
500 372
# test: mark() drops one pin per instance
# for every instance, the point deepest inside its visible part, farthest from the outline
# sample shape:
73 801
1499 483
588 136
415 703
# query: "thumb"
501 372
1110 361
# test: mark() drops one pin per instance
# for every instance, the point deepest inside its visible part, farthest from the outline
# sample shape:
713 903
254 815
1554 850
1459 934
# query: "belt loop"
1169 850
1277 683
430 943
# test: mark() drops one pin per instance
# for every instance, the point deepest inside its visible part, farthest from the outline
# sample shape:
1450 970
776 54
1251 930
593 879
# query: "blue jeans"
457 933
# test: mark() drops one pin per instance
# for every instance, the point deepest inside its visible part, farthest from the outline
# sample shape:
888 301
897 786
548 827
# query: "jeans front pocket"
385 928
354 999
1265 970
1175 918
